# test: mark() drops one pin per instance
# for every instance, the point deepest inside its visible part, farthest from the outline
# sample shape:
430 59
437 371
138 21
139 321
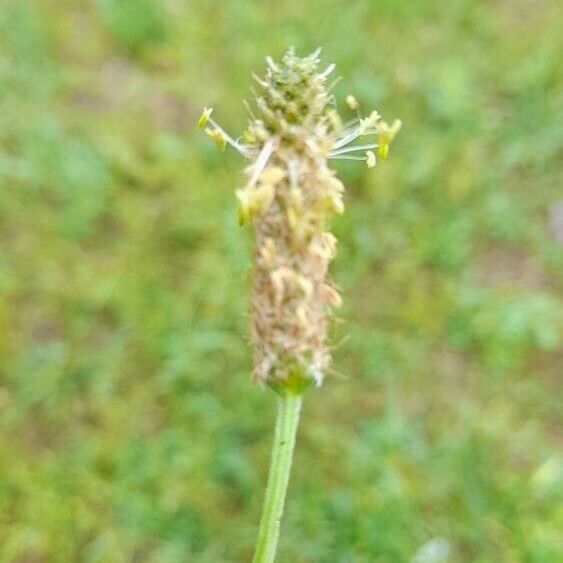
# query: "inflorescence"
289 195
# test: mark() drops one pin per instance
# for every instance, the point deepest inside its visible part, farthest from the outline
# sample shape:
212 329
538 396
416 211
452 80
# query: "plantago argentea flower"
289 196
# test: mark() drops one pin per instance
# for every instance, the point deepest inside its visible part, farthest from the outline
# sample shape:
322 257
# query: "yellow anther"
369 122
351 102
272 175
385 135
218 137
204 118
330 295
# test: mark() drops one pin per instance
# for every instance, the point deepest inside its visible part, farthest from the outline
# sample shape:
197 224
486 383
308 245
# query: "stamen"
351 124
357 131
316 54
293 169
262 83
353 149
270 62
237 146
204 118
348 157
261 162
328 70
249 110
347 138
333 84
351 102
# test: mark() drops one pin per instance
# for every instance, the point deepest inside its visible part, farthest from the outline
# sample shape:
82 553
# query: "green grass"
128 429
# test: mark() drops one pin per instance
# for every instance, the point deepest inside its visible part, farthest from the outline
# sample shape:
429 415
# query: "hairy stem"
289 406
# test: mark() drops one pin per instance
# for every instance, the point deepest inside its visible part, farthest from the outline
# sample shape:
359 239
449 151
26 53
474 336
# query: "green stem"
289 406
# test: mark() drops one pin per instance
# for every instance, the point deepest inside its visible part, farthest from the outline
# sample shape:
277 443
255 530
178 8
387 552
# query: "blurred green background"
129 431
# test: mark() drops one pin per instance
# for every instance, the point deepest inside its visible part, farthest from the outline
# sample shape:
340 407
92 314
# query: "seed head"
289 196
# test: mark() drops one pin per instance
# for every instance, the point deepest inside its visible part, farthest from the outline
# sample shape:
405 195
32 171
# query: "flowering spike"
289 197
